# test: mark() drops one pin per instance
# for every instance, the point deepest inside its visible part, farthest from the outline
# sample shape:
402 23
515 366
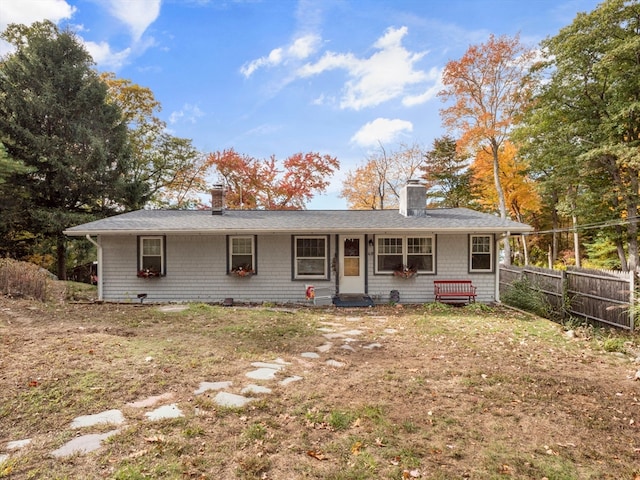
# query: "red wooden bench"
454 291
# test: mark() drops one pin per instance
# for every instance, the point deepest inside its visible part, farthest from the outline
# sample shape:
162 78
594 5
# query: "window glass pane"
151 246
151 254
241 245
481 245
480 261
308 266
242 253
481 253
310 247
152 263
420 262
389 263
311 257
389 245
419 245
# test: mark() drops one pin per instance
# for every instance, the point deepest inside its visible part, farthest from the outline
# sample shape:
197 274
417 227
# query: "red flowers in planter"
243 271
405 271
148 273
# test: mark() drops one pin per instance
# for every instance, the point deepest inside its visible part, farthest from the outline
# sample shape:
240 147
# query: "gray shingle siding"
196 271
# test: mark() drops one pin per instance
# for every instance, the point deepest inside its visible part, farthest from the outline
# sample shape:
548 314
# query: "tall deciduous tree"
55 118
265 184
490 87
167 170
447 174
594 88
520 192
376 185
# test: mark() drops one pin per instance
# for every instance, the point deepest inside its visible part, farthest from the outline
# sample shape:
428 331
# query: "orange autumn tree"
520 193
490 87
253 183
363 188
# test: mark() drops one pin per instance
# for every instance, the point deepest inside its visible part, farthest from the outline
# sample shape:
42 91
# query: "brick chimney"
413 199
217 199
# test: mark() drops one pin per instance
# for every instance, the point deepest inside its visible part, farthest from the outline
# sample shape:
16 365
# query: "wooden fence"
604 296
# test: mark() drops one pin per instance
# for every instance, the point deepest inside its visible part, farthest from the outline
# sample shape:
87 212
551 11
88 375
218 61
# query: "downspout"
99 270
496 248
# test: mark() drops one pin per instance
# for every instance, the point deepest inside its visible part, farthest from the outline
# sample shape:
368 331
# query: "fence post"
564 294
633 310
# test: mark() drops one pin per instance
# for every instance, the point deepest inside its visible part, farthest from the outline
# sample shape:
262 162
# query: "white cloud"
28 11
381 130
137 15
386 74
435 75
300 49
188 113
102 54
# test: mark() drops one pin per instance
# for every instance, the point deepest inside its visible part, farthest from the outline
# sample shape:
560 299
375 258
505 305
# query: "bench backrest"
453 285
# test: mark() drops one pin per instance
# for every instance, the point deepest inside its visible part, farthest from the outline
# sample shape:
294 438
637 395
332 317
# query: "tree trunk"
61 253
502 204
576 240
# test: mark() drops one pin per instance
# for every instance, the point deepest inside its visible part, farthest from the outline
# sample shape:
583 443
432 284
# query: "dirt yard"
422 392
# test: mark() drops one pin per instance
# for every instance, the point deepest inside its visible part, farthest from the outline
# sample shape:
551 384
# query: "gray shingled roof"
297 221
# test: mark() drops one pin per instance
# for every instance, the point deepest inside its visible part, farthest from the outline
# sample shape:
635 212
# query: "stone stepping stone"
288 380
109 416
3 458
225 399
353 333
263 373
310 355
333 336
274 366
173 308
354 319
371 346
150 401
332 324
348 348
326 329
255 389
206 386
83 444
335 363
16 444
325 347
166 411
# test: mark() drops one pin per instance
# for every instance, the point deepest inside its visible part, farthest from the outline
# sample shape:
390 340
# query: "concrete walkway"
343 336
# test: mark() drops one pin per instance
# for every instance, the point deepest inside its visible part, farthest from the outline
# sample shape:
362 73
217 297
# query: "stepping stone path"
332 332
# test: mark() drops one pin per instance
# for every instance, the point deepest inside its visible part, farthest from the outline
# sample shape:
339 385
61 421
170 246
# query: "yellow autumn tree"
521 196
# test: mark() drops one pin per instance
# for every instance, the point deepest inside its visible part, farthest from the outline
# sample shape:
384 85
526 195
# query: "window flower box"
148 273
405 271
243 271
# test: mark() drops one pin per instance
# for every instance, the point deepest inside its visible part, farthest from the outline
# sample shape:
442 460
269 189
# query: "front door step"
353 300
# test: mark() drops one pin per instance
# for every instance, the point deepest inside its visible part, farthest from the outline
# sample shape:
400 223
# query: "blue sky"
277 77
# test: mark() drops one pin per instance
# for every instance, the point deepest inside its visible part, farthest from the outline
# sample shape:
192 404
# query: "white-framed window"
396 253
151 255
481 253
242 254
311 257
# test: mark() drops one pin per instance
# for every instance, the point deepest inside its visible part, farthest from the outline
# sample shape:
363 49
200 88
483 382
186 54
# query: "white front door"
353 254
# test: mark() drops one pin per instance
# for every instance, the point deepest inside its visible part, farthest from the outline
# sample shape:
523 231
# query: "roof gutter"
99 272
302 231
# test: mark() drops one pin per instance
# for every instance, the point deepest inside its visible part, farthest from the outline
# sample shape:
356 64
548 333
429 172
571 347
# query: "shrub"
22 279
523 295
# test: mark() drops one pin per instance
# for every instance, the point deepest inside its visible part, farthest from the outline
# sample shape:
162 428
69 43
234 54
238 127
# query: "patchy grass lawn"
476 392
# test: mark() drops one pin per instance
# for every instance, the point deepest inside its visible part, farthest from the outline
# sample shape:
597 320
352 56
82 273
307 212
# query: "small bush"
523 295
22 279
